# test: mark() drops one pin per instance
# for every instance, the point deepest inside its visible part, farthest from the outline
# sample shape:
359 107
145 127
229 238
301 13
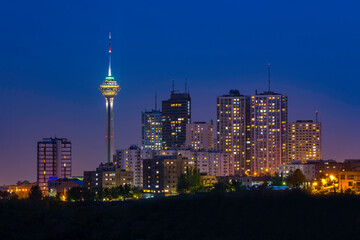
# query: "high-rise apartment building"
53 161
233 129
176 113
131 159
109 88
161 173
151 130
304 140
200 136
269 114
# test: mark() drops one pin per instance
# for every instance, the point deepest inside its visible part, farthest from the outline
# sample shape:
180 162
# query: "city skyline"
52 104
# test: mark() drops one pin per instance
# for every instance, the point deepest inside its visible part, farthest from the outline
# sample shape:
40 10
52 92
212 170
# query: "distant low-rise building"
307 169
352 164
250 181
207 180
324 168
22 189
62 185
349 180
107 176
211 163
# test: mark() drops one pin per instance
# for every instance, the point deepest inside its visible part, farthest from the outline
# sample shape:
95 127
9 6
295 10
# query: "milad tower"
109 88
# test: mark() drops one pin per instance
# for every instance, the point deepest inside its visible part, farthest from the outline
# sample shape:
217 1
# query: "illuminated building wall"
208 162
304 140
176 113
307 169
161 173
22 190
151 130
53 161
325 168
131 160
269 114
349 180
200 136
214 163
233 129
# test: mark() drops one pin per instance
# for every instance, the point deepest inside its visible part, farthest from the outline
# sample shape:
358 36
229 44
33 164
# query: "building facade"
161 173
200 136
349 180
307 169
325 168
269 116
53 161
304 141
151 130
176 113
131 160
233 129
108 176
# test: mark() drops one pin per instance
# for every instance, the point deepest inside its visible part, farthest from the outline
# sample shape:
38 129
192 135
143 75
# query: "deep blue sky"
53 56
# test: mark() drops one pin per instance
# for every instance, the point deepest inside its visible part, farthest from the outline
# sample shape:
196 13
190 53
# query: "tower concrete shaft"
109 130
109 88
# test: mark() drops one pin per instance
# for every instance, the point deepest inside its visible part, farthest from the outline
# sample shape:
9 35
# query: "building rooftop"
304 121
233 93
179 96
54 139
268 93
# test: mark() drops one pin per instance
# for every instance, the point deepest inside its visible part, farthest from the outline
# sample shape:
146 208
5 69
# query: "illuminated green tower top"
109 88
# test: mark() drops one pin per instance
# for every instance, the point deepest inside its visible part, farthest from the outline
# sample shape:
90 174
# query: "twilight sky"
53 56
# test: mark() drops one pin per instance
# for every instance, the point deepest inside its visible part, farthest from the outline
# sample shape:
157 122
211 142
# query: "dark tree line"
114 193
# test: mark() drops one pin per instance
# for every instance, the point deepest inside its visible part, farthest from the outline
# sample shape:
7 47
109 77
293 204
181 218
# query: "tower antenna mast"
109 54
156 101
173 85
316 115
268 77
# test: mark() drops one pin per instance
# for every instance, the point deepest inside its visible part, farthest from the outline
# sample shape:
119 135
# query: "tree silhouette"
189 181
35 193
296 179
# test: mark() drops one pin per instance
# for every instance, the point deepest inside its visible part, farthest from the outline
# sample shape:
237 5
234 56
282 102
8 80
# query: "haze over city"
54 57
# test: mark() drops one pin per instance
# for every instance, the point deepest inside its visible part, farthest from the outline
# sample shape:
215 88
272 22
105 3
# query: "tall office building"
269 114
176 113
304 140
200 136
53 161
233 129
151 130
109 88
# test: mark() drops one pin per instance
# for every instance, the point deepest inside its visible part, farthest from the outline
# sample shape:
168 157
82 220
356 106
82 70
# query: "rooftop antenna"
156 101
316 115
185 85
173 86
268 77
109 54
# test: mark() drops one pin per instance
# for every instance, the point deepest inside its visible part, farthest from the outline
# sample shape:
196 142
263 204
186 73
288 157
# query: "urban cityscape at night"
188 120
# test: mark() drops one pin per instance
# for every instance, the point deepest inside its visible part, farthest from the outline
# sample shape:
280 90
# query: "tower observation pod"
109 88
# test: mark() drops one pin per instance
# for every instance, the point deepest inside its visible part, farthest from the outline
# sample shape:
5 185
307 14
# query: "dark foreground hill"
240 215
